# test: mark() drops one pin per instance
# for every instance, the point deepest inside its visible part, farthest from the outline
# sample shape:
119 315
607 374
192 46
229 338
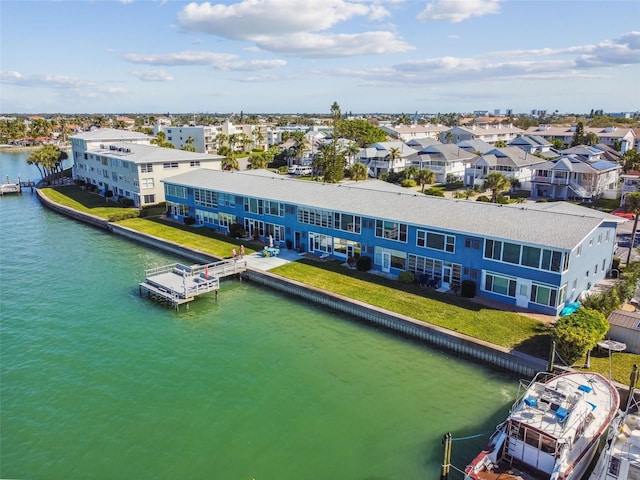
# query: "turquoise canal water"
97 382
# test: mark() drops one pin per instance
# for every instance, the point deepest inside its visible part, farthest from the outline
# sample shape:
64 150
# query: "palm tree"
394 154
468 193
500 144
221 141
358 172
496 182
424 177
410 172
258 160
189 145
449 137
632 205
351 151
230 162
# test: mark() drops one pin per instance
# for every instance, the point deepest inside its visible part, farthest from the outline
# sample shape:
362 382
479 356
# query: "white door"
447 272
386 261
522 295
349 250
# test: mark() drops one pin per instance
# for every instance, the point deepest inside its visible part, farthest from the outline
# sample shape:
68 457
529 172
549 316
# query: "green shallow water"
97 382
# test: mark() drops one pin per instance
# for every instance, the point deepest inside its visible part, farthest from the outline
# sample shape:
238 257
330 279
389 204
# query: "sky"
300 56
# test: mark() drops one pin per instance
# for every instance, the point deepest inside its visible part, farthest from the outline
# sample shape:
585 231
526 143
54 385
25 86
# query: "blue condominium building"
534 256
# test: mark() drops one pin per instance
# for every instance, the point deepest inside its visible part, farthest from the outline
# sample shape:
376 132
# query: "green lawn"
202 239
454 313
502 328
84 201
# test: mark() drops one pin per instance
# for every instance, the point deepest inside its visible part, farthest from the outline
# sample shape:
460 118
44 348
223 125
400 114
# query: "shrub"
502 199
483 198
468 289
236 230
189 220
353 259
364 263
127 202
116 217
615 263
79 182
436 192
578 333
407 277
283 170
408 183
288 243
108 194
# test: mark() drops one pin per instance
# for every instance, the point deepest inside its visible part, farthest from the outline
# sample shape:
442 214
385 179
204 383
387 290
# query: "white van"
300 170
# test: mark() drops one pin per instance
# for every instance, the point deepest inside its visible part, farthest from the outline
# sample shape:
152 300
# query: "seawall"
499 357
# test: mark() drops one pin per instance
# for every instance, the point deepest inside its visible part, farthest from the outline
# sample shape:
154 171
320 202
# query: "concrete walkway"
258 262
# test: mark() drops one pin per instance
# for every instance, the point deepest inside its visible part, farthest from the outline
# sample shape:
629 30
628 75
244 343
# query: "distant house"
534 144
630 184
409 132
419 143
579 174
125 164
447 161
485 132
609 135
377 157
475 146
512 162
625 328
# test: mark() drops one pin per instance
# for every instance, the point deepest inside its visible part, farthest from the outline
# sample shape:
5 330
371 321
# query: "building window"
146 167
437 241
146 182
175 191
194 163
315 216
149 199
274 208
346 222
391 230
472 243
170 165
254 205
205 198
544 295
579 251
500 284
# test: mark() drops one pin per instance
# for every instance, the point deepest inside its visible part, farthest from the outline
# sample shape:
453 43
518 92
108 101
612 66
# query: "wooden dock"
178 284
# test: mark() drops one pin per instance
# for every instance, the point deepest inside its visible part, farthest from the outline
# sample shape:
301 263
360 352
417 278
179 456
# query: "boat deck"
178 284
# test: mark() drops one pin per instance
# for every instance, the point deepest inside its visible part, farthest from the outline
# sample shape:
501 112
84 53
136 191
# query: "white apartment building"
485 132
125 164
406 133
207 138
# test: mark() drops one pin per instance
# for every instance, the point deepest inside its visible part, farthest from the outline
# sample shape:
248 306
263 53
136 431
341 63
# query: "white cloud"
58 82
250 18
291 27
340 45
153 76
458 10
41 80
219 61
254 65
181 58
